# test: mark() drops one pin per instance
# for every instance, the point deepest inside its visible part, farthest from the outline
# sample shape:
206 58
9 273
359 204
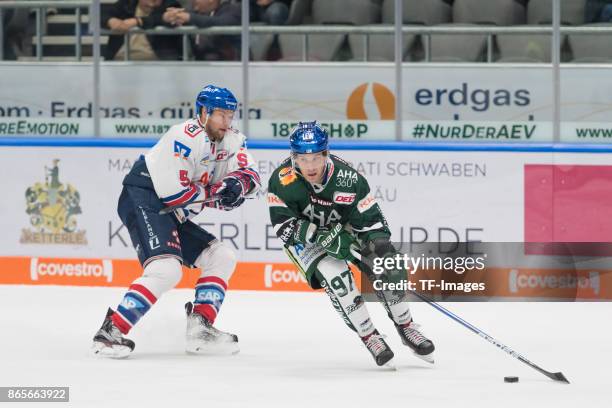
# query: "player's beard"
216 135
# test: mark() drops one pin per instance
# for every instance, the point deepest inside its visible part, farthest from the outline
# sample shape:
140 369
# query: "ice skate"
109 341
379 349
422 347
203 338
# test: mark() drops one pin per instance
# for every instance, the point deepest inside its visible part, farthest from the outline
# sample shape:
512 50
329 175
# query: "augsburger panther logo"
53 208
383 98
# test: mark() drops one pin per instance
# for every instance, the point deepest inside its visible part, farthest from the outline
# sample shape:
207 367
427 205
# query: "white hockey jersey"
184 161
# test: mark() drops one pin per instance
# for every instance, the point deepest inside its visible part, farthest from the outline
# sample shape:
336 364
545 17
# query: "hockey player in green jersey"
323 211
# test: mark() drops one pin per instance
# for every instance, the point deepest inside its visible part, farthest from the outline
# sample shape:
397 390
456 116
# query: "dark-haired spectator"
598 11
204 14
7 49
124 15
18 31
271 12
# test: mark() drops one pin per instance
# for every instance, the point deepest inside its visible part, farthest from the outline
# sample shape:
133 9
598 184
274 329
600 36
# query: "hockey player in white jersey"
199 159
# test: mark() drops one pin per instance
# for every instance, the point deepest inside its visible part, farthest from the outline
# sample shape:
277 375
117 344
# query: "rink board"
61 212
585 284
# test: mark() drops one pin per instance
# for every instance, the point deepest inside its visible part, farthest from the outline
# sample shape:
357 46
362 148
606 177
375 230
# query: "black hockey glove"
229 190
337 242
231 195
375 252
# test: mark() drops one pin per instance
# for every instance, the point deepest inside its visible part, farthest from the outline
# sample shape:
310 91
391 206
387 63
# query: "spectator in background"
124 15
271 12
598 11
7 49
19 28
209 13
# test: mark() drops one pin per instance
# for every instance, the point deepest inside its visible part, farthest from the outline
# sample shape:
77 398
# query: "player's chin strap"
205 121
554 376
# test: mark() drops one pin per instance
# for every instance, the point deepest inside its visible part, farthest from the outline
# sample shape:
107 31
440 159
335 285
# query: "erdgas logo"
40 268
477 99
358 105
272 276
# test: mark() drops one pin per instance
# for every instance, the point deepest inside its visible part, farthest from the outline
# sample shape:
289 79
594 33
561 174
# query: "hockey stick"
171 208
554 376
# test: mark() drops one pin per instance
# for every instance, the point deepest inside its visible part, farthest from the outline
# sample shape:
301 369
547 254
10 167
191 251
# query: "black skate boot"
109 341
203 338
379 348
413 338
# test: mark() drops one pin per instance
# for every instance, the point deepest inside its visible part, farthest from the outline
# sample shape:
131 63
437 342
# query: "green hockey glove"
336 241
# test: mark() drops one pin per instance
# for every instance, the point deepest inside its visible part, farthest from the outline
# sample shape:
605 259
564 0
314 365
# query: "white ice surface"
296 352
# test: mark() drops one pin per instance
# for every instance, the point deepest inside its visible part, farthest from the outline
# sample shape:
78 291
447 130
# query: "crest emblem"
53 207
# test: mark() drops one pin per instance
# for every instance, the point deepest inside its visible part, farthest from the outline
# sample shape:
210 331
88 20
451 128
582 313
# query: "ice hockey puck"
511 379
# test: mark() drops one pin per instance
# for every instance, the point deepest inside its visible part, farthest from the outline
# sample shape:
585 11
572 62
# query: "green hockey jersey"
344 198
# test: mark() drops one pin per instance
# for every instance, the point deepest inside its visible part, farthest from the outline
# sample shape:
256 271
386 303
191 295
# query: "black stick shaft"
171 208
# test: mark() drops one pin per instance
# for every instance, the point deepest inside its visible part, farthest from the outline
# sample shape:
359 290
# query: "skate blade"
224 349
104 351
427 358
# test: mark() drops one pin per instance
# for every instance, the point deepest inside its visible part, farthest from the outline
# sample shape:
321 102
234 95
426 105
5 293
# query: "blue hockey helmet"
213 97
308 137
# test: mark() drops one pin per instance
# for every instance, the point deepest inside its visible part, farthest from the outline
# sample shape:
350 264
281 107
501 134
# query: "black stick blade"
559 377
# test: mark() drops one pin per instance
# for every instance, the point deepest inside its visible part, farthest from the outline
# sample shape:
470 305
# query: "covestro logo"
70 271
541 282
283 277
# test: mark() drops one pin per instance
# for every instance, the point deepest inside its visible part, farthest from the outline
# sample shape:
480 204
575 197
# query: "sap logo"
180 150
347 174
221 155
288 276
344 198
209 296
131 303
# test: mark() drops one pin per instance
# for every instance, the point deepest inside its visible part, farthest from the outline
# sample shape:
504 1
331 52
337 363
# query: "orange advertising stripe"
15 270
262 276
122 272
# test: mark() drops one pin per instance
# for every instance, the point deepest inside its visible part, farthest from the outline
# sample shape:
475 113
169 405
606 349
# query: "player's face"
312 166
218 123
